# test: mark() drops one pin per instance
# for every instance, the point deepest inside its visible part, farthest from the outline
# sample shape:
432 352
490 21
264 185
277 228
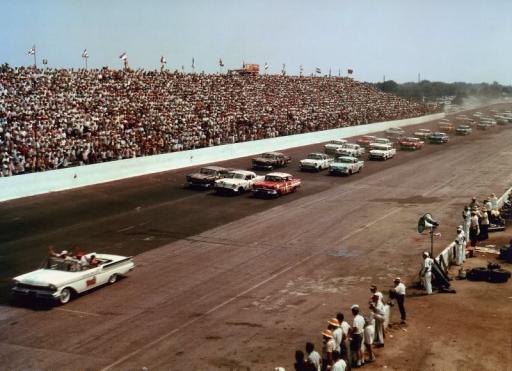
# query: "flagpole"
35 59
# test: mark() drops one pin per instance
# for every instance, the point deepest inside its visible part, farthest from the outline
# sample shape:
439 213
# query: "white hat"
459 227
355 306
64 252
426 254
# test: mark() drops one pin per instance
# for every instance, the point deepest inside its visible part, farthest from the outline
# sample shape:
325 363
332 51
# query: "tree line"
434 90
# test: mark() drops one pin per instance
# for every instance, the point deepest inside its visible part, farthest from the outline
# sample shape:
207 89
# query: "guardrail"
57 180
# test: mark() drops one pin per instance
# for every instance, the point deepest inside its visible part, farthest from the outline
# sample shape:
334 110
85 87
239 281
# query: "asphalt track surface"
232 282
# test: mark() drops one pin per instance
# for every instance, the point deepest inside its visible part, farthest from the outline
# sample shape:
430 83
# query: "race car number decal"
91 282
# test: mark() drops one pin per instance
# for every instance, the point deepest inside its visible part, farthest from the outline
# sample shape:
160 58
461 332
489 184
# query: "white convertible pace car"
60 279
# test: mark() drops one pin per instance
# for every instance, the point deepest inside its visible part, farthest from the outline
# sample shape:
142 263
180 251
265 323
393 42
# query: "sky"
442 40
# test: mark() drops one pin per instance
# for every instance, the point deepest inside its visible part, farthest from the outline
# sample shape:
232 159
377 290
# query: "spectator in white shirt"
339 363
378 316
426 272
313 355
337 333
327 349
345 328
369 334
356 337
399 296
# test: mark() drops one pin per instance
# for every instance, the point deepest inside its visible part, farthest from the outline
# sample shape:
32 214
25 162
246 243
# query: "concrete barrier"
81 176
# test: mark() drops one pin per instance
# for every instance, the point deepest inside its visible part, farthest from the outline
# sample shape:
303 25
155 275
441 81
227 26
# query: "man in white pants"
460 246
426 272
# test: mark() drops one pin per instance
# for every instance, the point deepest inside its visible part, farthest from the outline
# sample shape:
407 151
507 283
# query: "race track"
233 282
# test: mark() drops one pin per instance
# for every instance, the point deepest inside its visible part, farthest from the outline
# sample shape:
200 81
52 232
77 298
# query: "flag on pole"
266 66
221 64
301 69
123 56
350 71
85 54
32 50
318 70
163 60
45 61
329 71
193 63
283 70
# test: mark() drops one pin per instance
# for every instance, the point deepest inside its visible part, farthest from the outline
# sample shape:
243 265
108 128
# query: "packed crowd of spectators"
55 118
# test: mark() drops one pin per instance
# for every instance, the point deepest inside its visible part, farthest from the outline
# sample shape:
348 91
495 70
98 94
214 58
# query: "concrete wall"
57 180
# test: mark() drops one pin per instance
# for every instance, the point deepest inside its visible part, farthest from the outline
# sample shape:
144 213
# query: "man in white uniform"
460 246
356 337
466 215
426 272
399 295
378 316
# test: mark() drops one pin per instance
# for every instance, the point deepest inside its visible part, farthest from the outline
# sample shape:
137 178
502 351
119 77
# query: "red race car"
411 143
275 185
365 140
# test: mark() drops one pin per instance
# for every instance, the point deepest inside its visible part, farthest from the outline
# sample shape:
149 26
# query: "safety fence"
57 180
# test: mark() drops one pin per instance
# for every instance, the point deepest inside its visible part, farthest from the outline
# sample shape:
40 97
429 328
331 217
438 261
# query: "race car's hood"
378 151
199 176
309 161
333 145
340 165
45 277
262 159
346 150
267 184
228 182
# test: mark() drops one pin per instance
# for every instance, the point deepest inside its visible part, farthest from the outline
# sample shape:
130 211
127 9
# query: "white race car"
346 165
350 149
237 182
63 278
333 145
382 151
316 162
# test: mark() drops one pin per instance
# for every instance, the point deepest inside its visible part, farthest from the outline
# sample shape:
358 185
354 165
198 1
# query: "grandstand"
56 118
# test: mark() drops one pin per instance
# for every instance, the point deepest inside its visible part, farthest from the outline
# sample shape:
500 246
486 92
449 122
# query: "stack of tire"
506 254
492 273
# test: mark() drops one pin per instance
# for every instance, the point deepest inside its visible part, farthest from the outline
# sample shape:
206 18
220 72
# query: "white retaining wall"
57 180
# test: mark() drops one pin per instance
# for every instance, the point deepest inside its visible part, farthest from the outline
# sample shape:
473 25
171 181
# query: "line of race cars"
339 158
